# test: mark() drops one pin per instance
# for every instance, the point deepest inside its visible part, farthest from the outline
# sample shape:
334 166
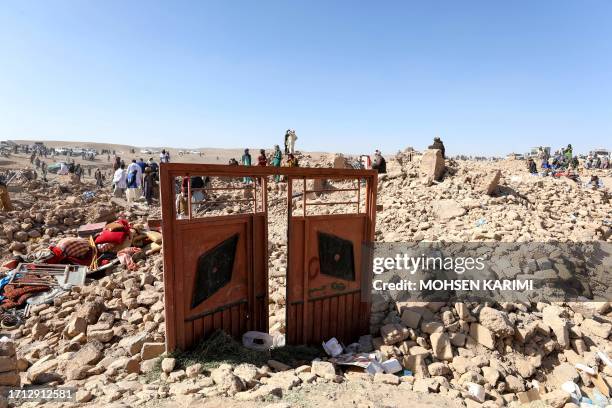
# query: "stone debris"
105 336
432 165
9 372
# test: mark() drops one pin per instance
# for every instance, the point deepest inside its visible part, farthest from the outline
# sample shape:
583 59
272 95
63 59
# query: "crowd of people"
273 159
597 162
563 160
138 178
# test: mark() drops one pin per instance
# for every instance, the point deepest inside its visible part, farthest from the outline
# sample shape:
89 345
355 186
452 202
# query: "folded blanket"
113 237
74 247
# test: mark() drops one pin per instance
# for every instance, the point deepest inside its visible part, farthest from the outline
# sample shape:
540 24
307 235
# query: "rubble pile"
43 211
483 201
106 337
506 353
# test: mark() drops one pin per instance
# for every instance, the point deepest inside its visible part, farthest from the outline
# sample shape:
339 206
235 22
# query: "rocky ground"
107 337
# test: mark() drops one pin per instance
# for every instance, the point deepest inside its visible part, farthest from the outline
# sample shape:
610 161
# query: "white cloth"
133 194
131 168
63 169
120 178
291 142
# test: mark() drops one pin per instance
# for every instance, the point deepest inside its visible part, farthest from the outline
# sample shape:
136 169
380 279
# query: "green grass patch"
153 375
221 348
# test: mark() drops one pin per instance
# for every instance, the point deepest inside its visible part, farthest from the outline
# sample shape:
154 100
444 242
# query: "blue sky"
489 77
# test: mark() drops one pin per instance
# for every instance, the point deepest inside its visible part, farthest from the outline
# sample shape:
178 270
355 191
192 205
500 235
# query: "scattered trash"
258 341
481 222
375 367
572 388
46 297
88 195
599 399
279 340
585 368
332 347
392 366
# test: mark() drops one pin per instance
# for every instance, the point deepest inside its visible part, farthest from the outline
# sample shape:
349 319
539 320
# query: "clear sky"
489 77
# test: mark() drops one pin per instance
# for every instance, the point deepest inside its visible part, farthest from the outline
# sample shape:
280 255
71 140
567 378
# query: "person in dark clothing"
379 163
149 184
142 164
437 144
197 182
262 160
117 163
532 167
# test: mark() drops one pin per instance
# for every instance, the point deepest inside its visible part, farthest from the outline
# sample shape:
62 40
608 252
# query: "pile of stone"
47 211
504 354
106 336
108 331
9 372
465 201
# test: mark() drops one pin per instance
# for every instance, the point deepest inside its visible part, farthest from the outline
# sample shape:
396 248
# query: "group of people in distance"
138 179
275 159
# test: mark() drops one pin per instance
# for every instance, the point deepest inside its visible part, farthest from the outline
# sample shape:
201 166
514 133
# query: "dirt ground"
348 394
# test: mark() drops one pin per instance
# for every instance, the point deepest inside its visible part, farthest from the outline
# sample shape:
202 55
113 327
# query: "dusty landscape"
106 337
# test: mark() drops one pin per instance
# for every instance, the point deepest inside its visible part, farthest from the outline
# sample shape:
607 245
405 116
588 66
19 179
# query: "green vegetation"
221 348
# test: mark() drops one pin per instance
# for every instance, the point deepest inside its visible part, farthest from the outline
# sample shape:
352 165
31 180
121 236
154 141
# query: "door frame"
168 174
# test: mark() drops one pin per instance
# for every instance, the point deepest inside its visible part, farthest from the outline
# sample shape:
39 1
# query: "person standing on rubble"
291 141
292 161
5 199
287 141
532 166
151 163
78 171
569 154
437 144
119 181
99 178
379 163
133 186
246 161
149 182
43 167
277 159
262 160
134 167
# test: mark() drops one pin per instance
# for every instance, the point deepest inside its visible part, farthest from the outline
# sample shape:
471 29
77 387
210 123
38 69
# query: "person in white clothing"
291 138
134 182
134 166
120 181
164 156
